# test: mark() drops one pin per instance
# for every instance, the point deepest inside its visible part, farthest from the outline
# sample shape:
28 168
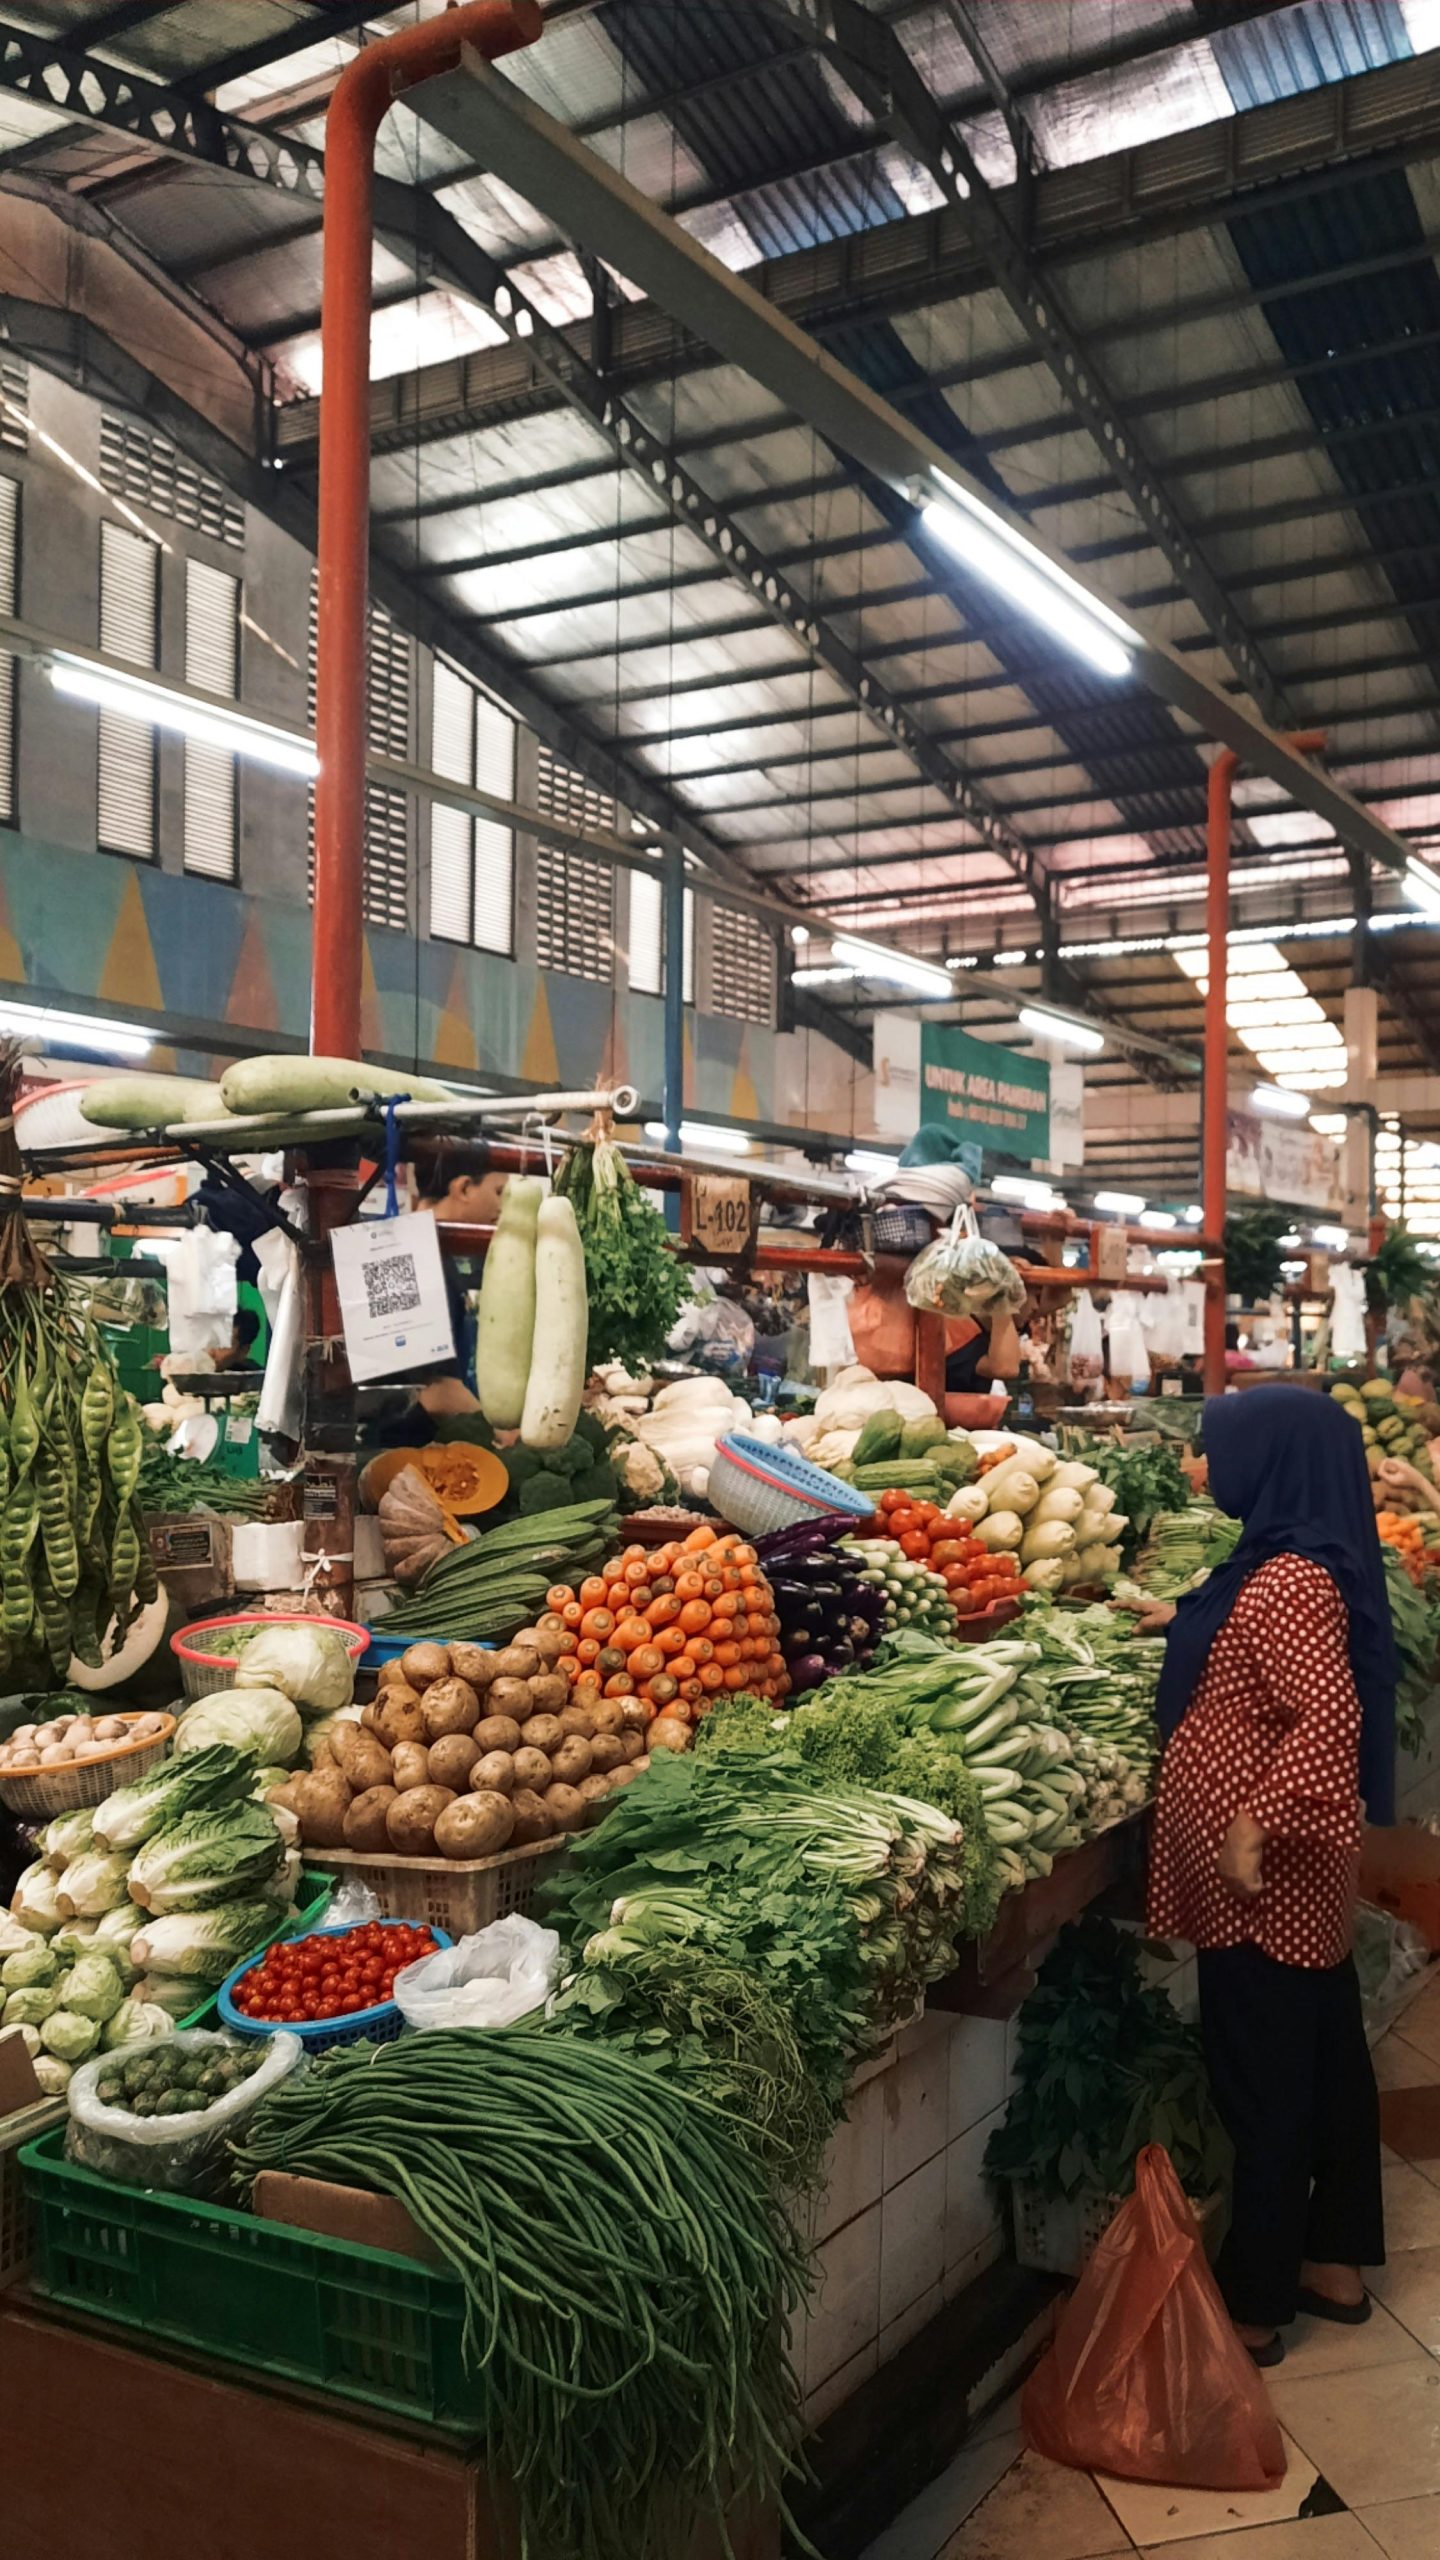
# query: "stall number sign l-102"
720 1214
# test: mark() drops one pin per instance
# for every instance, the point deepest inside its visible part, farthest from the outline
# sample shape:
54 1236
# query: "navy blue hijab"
1290 1465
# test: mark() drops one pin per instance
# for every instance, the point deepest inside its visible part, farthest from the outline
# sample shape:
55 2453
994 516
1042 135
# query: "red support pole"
1217 1063
362 96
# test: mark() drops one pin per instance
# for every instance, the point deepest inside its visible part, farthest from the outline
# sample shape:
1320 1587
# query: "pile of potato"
467 1752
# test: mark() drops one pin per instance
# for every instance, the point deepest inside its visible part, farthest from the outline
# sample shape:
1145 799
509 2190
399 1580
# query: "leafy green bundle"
1106 2064
635 1283
1144 1481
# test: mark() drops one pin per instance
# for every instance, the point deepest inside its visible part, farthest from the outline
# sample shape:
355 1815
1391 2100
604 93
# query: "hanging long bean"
627 2265
73 1553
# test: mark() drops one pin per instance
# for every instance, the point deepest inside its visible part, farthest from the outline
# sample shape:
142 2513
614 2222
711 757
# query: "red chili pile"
973 1574
331 1975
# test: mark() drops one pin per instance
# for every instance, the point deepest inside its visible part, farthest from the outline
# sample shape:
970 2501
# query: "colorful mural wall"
225 972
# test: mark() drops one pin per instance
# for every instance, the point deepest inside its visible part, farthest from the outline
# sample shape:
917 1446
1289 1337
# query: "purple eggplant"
807 1673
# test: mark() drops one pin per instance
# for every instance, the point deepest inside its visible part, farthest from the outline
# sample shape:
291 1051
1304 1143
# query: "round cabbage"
94 1989
31 2006
261 1722
307 1659
136 2022
34 1962
68 2036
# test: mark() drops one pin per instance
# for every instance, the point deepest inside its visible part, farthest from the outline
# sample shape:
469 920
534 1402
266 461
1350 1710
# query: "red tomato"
947 1551
916 1545
892 1501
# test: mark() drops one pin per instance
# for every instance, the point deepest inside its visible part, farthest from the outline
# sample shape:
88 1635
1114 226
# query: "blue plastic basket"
383 1648
380 2025
762 1486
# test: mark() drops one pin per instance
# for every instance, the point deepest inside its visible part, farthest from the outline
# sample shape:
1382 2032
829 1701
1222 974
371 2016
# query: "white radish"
562 1318
506 1329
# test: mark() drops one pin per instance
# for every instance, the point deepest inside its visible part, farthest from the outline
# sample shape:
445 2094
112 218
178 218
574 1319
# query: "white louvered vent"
472 858
129 628
9 590
15 403
742 966
574 914
151 472
391 690
212 660
647 936
566 796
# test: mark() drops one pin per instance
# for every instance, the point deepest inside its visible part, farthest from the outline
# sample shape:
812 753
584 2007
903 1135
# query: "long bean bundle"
627 2264
73 1552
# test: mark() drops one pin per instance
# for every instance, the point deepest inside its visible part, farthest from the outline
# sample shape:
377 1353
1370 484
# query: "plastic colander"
761 1487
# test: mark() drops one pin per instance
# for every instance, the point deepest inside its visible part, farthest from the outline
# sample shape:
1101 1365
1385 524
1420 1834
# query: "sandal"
1321 2306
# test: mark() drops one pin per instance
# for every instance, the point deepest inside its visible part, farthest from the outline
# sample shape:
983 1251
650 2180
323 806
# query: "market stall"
647 1880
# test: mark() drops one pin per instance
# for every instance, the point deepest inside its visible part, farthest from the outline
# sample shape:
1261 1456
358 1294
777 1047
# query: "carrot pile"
677 1626
1410 1536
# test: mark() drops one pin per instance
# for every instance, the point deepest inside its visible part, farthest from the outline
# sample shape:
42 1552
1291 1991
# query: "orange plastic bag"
1145 2377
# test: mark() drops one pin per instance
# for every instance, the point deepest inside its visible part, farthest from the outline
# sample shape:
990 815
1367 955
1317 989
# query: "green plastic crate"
379 2330
312 1896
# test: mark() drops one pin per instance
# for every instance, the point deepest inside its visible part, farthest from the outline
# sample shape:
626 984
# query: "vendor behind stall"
459 1188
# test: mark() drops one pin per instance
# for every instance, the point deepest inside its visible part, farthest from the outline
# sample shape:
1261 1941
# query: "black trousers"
1295 2090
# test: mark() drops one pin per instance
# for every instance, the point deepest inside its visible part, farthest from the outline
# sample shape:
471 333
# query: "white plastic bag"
1347 1322
1087 1341
1125 1332
185 2154
488 1980
832 1345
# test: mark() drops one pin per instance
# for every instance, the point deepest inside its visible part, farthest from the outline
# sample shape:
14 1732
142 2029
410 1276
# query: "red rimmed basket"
203 1672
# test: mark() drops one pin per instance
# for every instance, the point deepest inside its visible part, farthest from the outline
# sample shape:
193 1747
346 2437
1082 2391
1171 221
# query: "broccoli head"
545 1492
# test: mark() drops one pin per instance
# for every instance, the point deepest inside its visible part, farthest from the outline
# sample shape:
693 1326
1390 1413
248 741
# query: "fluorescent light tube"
868 1160
820 977
77 1030
1026 578
1035 1195
1281 1104
879 960
1126 1204
1333 1239
1058 1026
1161 1218
699 1134
138 699
1421 886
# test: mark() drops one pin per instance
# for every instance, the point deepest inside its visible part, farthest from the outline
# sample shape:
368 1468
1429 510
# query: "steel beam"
431 241
871 59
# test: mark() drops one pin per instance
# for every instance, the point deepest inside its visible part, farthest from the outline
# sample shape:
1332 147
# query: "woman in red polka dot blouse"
1278 1698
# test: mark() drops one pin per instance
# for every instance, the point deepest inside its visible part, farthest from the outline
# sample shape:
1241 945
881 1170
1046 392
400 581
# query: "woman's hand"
1239 1859
1151 1617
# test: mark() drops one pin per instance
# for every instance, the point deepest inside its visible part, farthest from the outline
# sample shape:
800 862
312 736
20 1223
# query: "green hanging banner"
979 1091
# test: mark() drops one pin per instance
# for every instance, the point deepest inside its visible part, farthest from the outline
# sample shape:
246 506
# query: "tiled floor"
1359 2410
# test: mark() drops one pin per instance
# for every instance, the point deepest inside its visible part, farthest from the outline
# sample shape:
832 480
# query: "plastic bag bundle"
488 1980
961 1275
1146 2378
1087 1341
183 2153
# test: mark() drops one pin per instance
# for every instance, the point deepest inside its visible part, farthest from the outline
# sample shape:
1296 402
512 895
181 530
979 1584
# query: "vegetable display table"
180 2460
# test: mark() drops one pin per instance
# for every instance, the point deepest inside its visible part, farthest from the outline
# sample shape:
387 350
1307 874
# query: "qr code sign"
392 1287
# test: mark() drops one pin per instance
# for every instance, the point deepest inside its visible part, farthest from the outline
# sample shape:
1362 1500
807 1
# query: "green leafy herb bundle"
1106 2065
1145 1480
636 1285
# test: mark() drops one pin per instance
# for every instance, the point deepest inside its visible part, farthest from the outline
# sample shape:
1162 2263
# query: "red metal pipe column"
365 91
1216 1082
1215 1104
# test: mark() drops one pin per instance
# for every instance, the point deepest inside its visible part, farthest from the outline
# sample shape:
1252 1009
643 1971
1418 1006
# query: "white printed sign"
391 1286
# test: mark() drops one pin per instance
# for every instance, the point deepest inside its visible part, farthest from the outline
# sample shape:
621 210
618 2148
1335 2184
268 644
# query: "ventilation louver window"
212 660
647 936
387 813
15 403
742 966
129 629
574 914
472 858
566 796
151 472
9 593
